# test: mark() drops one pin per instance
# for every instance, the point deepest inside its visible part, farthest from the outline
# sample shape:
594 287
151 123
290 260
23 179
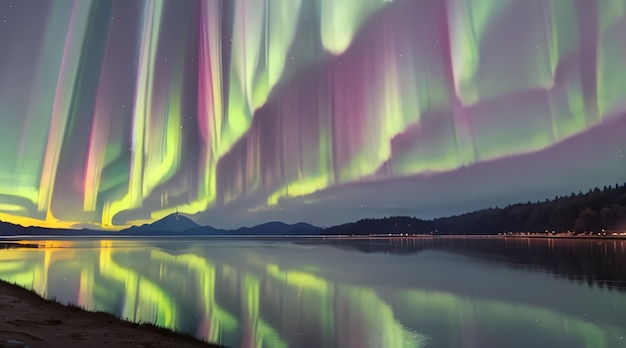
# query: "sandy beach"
27 320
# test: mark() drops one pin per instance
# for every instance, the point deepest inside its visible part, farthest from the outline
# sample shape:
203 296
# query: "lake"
401 292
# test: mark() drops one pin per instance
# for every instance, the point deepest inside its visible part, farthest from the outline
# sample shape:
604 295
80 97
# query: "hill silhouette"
171 224
280 228
274 228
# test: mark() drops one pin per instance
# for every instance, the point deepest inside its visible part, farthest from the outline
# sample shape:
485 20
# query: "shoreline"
28 320
33 241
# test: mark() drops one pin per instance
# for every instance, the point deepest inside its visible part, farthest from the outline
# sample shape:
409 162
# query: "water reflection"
358 293
594 261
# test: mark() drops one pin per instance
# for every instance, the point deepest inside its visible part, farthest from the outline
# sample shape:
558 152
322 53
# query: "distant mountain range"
176 224
595 211
171 225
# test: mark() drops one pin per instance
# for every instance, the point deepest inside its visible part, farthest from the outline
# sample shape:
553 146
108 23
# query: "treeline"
391 225
595 211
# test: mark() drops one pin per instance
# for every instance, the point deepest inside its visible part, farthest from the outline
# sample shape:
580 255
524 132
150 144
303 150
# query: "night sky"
325 111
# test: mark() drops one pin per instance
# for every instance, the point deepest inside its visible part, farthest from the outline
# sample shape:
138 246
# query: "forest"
597 211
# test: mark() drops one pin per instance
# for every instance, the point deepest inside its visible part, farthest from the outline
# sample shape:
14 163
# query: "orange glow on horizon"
51 222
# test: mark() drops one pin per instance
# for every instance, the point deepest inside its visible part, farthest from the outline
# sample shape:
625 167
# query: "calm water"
364 293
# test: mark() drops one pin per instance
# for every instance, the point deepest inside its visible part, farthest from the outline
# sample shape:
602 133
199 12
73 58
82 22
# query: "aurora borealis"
119 112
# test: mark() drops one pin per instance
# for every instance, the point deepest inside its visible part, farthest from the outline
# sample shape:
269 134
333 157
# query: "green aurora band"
120 112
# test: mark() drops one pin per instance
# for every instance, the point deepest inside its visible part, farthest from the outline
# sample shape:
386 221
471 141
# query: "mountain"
171 224
8 229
